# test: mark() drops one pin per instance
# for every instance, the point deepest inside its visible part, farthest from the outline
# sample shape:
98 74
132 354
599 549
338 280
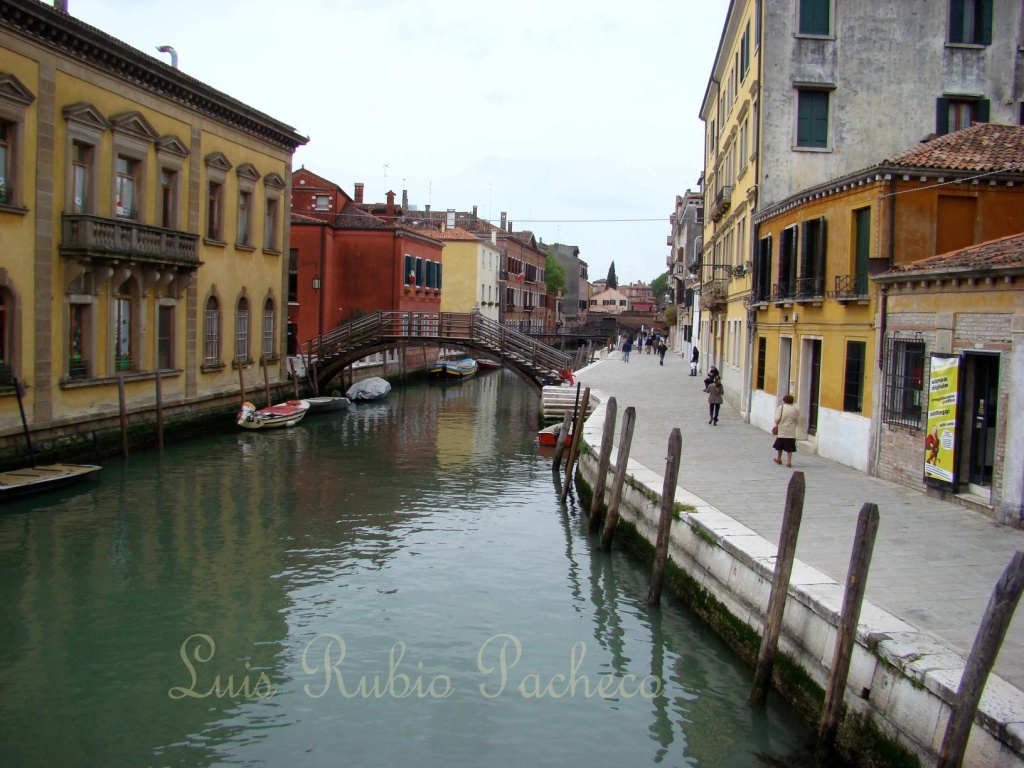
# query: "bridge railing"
470 328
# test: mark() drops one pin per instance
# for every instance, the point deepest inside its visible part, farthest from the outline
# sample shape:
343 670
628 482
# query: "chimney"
405 199
494 237
474 211
60 5
510 227
502 219
390 213
359 193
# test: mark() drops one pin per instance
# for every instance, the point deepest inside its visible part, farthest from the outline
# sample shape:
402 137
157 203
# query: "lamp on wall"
316 282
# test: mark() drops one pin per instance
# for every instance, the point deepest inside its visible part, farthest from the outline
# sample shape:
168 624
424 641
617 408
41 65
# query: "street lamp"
316 282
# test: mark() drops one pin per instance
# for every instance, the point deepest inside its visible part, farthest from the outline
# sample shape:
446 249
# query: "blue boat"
454 367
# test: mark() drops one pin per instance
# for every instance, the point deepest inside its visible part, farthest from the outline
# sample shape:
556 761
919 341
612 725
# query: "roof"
315 181
1005 253
982 147
354 216
301 218
456 233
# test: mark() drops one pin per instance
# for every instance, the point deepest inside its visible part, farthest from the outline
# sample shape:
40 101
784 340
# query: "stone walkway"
934 563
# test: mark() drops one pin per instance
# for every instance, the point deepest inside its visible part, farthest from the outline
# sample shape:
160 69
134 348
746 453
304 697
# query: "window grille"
903 394
211 333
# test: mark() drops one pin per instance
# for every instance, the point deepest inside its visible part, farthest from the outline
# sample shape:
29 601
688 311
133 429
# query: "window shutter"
820 259
981 111
942 116
805 251
438 275
410 267
956 23
983 25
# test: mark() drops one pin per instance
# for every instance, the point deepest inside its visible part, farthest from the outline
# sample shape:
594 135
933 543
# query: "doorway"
811 381
981 395
785 365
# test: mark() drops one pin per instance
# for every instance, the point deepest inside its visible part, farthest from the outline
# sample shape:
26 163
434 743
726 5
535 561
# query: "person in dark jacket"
712 375
714 400
694 359
662 348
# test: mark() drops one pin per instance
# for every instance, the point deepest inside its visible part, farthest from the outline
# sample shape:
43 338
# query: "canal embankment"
904 676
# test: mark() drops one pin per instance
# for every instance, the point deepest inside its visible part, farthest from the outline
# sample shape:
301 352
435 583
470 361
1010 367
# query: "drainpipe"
752 314
323 281
170 50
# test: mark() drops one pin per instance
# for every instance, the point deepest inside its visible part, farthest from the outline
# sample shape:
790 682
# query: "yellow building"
142 228
471 268
730 114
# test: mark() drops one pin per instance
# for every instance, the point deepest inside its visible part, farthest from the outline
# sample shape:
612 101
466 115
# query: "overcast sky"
552 110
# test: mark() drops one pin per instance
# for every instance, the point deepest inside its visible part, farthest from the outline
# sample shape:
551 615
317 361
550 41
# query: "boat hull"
549 435
282 415
326 404
454 370
20 482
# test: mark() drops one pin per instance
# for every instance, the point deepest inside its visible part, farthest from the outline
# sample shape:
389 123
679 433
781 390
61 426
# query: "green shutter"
812 119
814 17
805 250
983 22
819 257
863 223
956 23
410 268
439 276
981 111
942 116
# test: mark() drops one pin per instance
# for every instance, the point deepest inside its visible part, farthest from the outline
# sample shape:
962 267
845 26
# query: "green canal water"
392 585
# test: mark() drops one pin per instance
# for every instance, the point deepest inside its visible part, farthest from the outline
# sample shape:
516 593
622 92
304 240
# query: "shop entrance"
981 392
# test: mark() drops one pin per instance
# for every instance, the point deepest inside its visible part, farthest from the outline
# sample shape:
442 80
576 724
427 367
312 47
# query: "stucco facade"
471 274
142 226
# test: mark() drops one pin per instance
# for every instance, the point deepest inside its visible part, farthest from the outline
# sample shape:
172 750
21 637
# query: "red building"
345 261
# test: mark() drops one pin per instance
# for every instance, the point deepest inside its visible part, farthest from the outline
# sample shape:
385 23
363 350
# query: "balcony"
714 295
851 288
810 290
721 204
784 293
87 236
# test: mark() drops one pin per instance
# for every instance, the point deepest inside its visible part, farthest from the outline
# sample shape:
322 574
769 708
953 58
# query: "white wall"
844 437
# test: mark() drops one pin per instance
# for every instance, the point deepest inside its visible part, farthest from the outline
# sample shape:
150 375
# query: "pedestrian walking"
662 349
714 400
651 341
694 359
786 418
712 375
627 345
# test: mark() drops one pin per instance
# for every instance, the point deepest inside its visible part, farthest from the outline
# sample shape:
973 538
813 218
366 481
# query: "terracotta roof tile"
456 233
353 216
300 218
1004 253
982 147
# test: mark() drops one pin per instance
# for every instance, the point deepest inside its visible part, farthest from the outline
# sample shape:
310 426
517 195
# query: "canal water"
392 585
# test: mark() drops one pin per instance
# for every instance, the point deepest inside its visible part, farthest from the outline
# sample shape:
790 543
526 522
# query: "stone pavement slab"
935 563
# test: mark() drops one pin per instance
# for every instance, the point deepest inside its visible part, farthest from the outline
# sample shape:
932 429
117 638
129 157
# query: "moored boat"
327 403
42 478
549 435
488 365
368 390
454 367
281 415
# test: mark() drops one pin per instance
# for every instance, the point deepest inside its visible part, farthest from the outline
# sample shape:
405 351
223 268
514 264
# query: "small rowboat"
327 403
281 415
549 435
42 478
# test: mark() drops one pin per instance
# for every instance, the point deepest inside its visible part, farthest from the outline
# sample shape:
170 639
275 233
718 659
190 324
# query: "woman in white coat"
786 419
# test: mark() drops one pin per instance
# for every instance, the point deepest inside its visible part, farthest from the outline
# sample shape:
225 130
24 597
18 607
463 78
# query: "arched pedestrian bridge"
536 363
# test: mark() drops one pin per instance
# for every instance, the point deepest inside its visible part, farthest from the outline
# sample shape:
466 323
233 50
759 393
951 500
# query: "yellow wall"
459 286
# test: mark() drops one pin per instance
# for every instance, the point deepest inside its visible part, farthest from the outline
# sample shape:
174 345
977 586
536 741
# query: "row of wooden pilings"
994 624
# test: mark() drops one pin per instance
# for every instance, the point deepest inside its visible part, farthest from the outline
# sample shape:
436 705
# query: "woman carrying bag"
786 419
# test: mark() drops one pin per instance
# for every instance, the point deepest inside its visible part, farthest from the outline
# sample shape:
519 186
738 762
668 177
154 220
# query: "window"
903 382
123 360
952 114
762 350
970 21
812 119
321 202
244 219
125 204
853 386
763 270
168 198
214 199
293 276
787 263
270 226
862 250
78 342
268 330
814 17
81 177
410 270
419 272
6 159
745 53
211 332
242 330
812 259
165 337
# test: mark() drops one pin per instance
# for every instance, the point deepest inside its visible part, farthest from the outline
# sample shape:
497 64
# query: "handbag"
775 430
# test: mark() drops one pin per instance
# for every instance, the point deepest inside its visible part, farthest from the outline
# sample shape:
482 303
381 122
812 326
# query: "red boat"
280 415
549 435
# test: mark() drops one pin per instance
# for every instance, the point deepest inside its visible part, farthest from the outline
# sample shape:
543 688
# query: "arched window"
211 332
242 330
268 329
123 348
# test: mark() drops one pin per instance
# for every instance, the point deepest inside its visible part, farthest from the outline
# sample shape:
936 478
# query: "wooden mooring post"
295 377
856 584
123 408
266 379
994 623
604 459
791 517
668 502
577 436
556 462
24 421
619 478
159 411
241 380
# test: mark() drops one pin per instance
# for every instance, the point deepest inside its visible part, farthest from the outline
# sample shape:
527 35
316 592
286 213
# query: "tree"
660 286
612 281
554 275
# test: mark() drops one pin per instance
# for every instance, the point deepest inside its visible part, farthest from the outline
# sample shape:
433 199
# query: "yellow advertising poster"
940 439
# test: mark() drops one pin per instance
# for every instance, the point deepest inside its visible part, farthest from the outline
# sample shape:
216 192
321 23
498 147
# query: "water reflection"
183 609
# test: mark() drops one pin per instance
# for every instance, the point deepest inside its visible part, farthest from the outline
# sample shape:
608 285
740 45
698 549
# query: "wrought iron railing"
124 363
78 368
760 294
809 288
6 375
782 292
851 287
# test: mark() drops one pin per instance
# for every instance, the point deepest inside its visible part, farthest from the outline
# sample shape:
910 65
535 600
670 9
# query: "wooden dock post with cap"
556 462
266 379
791 517
577 436
604 459
668 502
619 478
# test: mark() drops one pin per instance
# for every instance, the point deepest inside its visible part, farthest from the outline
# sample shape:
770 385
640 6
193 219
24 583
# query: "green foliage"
660 286
612 281
555 275
671 314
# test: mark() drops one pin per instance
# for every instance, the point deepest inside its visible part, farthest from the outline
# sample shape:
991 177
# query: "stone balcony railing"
84 235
